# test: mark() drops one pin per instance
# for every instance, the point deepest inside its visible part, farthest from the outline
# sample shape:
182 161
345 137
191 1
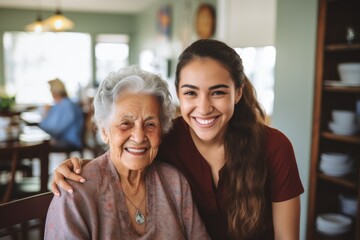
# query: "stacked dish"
336 164
333 224
348 205
343 122
349 72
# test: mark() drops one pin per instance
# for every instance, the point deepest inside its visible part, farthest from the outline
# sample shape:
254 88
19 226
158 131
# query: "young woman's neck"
213 152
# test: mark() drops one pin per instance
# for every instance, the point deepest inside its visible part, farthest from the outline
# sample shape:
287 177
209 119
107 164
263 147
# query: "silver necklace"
139 216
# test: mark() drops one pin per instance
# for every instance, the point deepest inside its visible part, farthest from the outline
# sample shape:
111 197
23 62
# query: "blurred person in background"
63 120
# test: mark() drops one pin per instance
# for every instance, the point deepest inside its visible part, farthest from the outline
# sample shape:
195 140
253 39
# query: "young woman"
242 173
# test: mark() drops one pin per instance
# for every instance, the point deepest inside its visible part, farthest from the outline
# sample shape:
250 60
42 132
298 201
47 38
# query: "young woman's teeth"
205 121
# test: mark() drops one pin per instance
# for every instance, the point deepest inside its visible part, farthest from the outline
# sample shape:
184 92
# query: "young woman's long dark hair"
245 170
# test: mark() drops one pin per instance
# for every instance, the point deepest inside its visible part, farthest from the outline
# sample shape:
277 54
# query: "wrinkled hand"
69 169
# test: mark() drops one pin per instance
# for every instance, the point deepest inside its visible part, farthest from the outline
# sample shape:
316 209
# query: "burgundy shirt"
284 181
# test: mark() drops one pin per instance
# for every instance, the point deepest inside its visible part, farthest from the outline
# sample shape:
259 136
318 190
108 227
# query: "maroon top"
284 181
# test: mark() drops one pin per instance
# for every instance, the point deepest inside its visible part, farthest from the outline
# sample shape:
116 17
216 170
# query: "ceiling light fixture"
37 26
58 22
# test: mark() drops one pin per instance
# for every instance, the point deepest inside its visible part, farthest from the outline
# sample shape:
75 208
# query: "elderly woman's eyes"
125 125
146 125
151 124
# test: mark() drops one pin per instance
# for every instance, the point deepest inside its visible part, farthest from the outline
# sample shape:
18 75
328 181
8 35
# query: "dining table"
18 141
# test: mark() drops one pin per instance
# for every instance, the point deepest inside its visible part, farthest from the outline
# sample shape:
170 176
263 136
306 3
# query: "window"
32 59
111 53
259 66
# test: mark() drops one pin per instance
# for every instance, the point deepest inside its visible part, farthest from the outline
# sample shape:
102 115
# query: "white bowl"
334 220
343 116
348 204
349 72
336 173
348 200
338 125
349 211
333 224
342 129
335 157
332 166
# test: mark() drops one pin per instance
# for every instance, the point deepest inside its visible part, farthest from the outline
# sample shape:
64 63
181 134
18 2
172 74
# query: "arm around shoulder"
69 169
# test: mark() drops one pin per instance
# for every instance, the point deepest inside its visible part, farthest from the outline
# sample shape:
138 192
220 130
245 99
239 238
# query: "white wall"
244 23
294 82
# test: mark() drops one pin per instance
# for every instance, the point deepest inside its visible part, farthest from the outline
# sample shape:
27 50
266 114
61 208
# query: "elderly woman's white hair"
132 80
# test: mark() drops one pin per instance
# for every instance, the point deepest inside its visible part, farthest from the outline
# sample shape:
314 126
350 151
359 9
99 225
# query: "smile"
205 121
135 150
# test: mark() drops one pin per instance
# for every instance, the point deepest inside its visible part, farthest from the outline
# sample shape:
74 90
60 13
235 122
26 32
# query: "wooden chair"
14 152
15 215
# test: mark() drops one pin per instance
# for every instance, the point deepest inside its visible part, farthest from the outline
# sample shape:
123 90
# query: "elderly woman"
128 195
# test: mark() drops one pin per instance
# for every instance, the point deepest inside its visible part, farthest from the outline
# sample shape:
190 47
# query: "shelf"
319 236
342 181
334 19
342 47
342 89
349 139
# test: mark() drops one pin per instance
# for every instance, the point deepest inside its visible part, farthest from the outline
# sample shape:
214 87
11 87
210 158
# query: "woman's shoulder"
96 165
95 172
169 172
275 136
166 168
278 148
177 132
97 175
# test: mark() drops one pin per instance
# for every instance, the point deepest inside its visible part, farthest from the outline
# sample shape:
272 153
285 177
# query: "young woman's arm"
286 219
69 169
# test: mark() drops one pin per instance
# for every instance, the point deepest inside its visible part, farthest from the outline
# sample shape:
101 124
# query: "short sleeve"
285 182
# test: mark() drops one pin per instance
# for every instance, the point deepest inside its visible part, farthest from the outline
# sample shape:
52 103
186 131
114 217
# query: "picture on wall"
164 21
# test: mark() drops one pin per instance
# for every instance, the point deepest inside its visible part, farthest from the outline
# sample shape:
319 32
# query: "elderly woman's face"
134 132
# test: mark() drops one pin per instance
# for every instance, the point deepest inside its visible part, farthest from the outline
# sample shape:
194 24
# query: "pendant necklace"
139 216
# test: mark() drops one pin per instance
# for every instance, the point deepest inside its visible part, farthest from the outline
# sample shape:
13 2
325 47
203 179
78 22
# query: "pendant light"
37 26
58 22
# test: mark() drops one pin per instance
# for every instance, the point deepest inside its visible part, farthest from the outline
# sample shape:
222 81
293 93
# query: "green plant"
6 103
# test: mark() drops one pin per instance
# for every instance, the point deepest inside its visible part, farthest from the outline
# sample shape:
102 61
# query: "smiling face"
207 97
134 132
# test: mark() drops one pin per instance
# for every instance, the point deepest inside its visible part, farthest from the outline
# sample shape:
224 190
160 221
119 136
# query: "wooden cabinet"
333 47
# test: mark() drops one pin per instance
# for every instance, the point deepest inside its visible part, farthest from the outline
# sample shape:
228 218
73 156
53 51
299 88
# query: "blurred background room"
278 41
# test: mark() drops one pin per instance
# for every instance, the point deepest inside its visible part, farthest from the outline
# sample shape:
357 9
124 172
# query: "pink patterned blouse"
97 209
